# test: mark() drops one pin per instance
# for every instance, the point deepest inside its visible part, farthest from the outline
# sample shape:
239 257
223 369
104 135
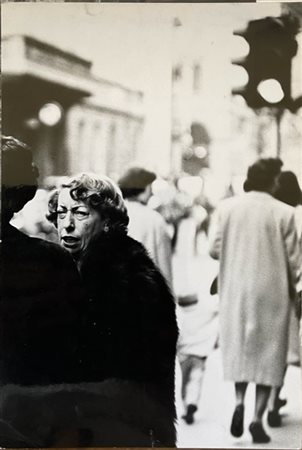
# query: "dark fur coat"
131 324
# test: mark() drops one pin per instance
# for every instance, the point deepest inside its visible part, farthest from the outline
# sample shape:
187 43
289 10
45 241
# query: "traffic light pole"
279 114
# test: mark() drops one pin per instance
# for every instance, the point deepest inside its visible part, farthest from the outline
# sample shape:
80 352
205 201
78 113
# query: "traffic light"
272 46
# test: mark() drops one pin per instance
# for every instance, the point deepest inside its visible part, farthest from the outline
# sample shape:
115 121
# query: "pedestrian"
289 192
40 308
198 335
254 238
131 328
146 225
185 251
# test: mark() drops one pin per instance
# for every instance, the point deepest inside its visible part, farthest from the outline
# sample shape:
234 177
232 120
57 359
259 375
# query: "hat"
136 178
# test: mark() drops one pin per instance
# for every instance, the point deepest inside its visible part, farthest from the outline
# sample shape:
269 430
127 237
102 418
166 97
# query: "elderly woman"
131 332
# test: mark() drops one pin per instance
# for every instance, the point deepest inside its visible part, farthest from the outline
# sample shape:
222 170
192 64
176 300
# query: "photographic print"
151 225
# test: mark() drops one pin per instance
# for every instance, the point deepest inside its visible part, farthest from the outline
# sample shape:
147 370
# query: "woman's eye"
81 214
61 214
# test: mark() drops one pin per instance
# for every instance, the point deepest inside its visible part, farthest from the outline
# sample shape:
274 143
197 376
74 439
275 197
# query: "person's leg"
238 415
256 427
273 416
262 396
193 389
240 390
185 365
273 398
195 382
274 404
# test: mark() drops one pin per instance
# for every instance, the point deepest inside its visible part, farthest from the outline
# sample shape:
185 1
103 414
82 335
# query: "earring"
106 228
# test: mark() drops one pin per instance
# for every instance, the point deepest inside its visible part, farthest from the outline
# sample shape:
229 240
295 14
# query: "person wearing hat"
254 237
146 225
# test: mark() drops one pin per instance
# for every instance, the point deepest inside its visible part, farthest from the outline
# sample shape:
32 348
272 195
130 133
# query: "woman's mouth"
70 241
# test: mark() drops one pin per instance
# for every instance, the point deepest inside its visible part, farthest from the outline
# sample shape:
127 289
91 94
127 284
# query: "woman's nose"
69 221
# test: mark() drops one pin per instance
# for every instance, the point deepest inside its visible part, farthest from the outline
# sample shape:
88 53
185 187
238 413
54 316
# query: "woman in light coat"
256 243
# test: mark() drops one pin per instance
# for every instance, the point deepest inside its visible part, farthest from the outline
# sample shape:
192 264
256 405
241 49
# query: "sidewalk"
211 428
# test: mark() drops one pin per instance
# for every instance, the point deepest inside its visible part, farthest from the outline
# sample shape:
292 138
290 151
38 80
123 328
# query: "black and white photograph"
151 225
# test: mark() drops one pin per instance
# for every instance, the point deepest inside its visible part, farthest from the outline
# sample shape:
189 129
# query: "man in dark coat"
41 301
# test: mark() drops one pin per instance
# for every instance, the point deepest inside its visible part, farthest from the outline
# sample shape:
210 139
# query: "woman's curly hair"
101 194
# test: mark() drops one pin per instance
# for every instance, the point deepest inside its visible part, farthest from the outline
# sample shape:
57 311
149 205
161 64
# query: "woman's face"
78 223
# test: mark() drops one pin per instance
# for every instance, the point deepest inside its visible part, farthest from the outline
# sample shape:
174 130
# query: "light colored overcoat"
255 239
150 229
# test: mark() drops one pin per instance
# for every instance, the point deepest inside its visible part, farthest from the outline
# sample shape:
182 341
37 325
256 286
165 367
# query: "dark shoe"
258 434
274 419
189 416
237 421
280 403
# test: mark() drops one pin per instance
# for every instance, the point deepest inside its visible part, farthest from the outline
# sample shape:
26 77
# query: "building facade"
73 121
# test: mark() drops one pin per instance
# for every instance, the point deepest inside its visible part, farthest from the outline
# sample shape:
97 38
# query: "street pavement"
211 427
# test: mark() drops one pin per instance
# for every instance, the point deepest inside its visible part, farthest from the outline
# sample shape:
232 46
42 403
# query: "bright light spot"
50 114
240 47
271 90
240 76
200 152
